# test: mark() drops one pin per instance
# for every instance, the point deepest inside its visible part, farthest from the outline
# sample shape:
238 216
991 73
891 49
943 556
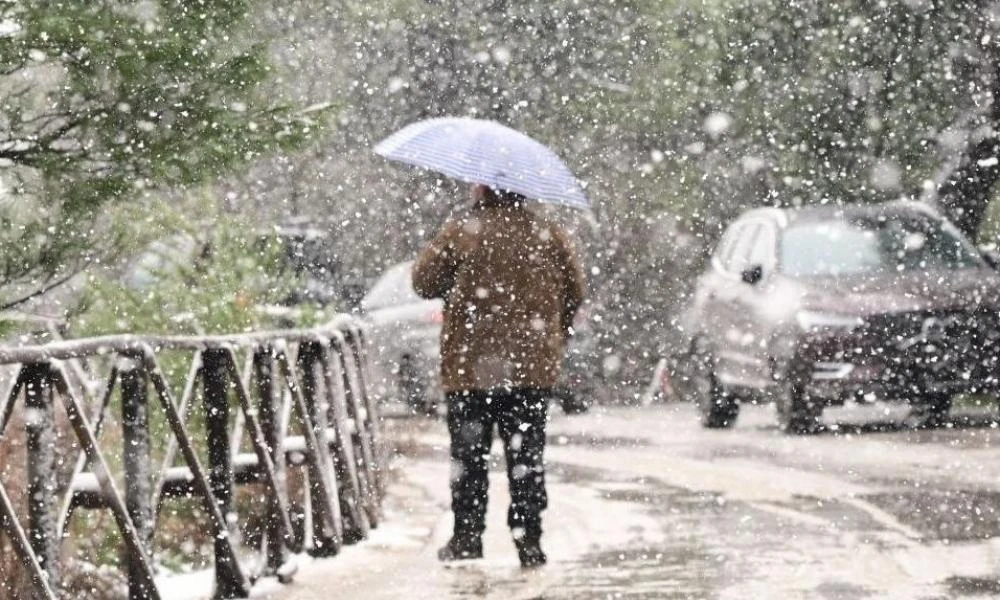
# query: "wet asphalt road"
644 503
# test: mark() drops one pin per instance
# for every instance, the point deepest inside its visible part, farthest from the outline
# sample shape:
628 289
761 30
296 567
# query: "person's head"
485 196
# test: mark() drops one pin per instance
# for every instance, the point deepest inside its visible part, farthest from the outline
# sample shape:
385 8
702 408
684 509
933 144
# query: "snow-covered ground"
646 504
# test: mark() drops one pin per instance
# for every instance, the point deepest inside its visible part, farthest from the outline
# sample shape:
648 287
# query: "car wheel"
931 411
718 408
797 413
411 385
571 403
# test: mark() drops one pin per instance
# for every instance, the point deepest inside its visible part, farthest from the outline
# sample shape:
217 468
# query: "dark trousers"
519 416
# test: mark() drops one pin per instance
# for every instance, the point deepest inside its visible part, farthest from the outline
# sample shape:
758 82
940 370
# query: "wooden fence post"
362 416
327 545
40 426
228 580
136 462
263 368
354 488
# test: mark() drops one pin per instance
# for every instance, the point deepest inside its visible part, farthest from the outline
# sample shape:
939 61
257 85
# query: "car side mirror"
992 257
753 275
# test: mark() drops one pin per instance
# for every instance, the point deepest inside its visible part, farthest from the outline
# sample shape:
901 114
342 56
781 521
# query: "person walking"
511 284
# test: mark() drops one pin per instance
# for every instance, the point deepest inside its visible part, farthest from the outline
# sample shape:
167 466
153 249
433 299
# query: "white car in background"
406 332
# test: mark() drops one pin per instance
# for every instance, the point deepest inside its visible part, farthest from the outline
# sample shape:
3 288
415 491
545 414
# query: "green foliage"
104 101
215 282
818 101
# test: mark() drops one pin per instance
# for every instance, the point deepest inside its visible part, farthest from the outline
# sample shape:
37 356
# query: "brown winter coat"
511 284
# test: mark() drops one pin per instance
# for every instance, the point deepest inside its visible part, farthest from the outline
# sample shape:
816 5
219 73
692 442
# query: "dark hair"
500 198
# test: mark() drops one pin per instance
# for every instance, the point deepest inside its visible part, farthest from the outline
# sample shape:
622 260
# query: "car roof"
826 212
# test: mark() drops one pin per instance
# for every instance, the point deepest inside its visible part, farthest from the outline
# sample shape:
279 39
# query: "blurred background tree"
808 102
104 103
210 280
677 114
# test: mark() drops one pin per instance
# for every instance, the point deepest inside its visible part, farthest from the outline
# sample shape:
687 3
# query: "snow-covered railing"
302 397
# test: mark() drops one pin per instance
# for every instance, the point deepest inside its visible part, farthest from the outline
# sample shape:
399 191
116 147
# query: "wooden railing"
301 397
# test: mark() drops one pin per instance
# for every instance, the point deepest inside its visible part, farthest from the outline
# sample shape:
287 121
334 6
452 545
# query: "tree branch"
34 150
48 287
967 191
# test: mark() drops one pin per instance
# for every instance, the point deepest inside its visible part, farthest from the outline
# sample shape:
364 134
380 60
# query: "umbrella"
479 151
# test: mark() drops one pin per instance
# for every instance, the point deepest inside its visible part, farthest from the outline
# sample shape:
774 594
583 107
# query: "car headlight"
810 320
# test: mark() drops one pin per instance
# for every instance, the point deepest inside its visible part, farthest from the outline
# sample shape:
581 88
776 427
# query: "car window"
728 243
739 259
762 252
394 288
869 245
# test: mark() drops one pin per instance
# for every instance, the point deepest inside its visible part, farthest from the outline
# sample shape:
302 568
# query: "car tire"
930 411
718 408
571 403
412 388
797 413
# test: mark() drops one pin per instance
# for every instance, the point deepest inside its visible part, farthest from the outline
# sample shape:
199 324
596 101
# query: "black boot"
529 551
461 548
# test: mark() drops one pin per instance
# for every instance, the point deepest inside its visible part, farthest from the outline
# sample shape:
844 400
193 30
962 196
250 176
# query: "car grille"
940 346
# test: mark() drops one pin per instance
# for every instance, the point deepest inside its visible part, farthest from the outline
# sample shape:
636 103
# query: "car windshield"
851 246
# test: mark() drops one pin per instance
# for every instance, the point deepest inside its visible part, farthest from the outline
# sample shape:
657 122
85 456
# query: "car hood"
407 315
901 292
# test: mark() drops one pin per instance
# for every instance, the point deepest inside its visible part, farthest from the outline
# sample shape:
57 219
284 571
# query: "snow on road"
398 560
646 504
